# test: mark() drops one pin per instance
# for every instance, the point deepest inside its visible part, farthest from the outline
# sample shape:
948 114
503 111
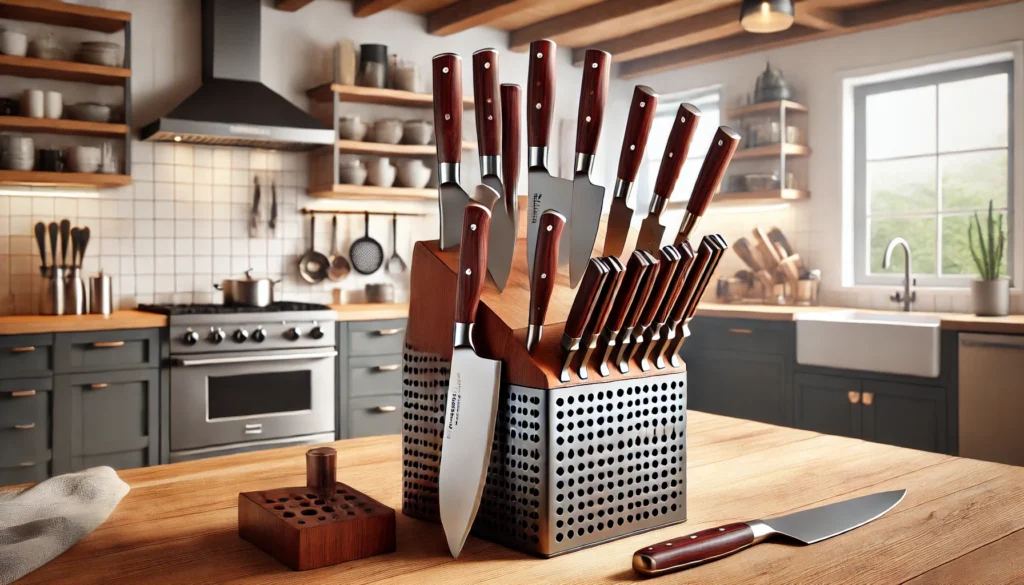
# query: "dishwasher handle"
994 341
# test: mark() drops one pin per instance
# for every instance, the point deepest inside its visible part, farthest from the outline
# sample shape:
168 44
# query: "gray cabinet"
25 356
370 378
828 404
98 351
25 452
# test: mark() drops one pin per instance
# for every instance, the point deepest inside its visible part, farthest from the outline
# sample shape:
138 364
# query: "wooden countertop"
131 319
961 521
371 311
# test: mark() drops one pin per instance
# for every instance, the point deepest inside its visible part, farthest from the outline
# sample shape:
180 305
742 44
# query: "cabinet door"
828 404
905 415
375 415
736 383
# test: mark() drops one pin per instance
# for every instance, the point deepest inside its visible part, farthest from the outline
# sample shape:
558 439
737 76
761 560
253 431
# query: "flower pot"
991 298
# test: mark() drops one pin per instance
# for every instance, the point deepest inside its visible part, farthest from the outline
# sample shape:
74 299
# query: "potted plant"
990 294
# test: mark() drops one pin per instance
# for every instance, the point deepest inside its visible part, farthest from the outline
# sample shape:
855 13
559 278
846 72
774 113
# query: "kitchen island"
962 521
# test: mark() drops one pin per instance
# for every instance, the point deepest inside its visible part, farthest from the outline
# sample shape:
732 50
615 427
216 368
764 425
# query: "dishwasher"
991 389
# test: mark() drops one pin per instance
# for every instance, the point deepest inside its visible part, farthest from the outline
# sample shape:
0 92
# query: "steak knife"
473 386
671 289
452 198
622 354
636 270
505 224
673 308
544 272
805 527
582 309
723 145
668 262
602 309
488 135
702 259
718 248
638 125
587 198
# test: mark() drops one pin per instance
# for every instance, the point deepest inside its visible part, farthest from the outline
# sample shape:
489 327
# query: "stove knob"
316 332
241 335
191 337
259 336
217 335
294 333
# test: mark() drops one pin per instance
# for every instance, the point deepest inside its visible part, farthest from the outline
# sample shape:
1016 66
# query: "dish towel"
39 523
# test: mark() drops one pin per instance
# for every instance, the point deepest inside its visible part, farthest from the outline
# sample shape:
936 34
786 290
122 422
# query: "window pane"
956 251
974 113
919 232
971 179
901 123
901 186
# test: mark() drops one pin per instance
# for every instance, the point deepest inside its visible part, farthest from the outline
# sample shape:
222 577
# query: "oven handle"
253 358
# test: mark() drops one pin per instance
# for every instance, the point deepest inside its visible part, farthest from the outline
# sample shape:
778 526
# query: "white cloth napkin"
39 523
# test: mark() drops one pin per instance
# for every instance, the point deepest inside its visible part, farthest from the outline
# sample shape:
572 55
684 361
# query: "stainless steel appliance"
990 371
244 378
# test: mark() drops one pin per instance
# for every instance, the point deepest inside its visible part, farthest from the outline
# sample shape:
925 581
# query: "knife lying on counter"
581 311
668 262
717 246
723 145
545 270
472 392
636 269
622 353
452 198
489 141
602 309
506 222
804 527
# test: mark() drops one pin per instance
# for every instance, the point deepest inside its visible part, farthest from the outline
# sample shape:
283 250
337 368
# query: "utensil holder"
101 295
53 295
75 301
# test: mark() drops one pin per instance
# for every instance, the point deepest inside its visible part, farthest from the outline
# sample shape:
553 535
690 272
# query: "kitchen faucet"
908 296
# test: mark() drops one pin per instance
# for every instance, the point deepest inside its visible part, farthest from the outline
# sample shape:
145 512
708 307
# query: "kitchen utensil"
53 229
790 267
621 357
547 192
668 261
313 265
395 263
89 112
545 272
488 133
620 214
731 290
684 125
805 292
75 299
581 311
40 231
776 236
452 198
53 105
339 267
413 173
692 264
33 103
768 252
771 86
54 296
13 43
381 292
417 132
388 131
248 291
108 165
100 53
76 241
351 128
743 250
272 223
636 271
406 77
366 253
655 315
254 213
805 527
505 218
473 387
84 159
50 159
345 62
352 172
65 239
602 308
723 145
373 65
716 249
19 153
83 235
587 198
381 172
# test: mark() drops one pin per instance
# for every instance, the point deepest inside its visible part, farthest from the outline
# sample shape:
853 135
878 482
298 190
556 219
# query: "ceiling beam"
363 8
562 26
290 5
466 14
819 18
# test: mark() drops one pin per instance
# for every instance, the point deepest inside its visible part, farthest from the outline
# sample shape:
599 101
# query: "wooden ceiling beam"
819 18
362 8
558 28
466 14
290 5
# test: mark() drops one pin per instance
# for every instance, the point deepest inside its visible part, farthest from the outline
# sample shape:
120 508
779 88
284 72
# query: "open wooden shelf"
765 107
373 95
766 196
369 192
62 14
772 150
380 149
63 70
72 127
49 179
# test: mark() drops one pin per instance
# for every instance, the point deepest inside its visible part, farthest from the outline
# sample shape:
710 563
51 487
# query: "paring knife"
582 309
488 135
668 262
718 248
544 272
674 306
452 198
622 354
723 145
546 191
505 224
668 289
587 198
472 393
652 232
805 527
601 311
638 125
636 269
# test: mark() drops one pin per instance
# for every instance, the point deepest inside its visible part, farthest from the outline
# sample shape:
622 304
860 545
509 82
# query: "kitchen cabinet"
369 384
828 404
25 356
25 406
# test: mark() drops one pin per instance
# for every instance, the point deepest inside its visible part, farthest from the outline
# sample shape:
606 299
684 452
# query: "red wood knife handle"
723 145
485 101
718 250
611 288
678 146
636 268
448 107
644 292
510 138
593 96
699 547
545 264
638 126
697 268
540 93
476 224
673 307
668 260
586 297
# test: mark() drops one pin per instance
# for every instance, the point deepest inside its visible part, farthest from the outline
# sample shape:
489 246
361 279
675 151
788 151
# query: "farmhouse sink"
892 343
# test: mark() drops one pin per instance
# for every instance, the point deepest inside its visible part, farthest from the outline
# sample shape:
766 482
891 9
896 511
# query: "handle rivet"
693 536
447 116
593 65
682 119
540 55
445 70
472 227
549 228
544 276
670 154
469 271
490 117
632 147
642 104
721 529
668 544
538 105
487 65
588 118
719 143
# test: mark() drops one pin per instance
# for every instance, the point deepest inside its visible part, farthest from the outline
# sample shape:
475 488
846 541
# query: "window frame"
861 237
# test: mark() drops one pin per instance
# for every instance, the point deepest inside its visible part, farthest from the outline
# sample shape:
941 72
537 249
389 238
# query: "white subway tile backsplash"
183 246
203 265
183 192
143 171
183 210
42 207
221 176
202 156
142 152
183 265
163 173
182 229
163 153
183 154
183 174
20 205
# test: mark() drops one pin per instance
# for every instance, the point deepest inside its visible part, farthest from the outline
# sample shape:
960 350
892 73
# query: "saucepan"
253 292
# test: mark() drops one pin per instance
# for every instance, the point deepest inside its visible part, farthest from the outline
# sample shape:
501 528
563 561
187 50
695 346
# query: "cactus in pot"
990 294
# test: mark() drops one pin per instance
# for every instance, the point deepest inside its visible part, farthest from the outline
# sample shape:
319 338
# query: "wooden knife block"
322 523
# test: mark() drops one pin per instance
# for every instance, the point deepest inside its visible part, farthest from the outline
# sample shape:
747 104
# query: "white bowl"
13 43
84 159
89 112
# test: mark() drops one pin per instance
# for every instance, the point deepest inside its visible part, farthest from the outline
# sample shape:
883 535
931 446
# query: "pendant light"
766 16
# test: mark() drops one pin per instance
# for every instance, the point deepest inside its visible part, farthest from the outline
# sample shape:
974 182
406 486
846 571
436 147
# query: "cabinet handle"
254 429
107 344
853 396
98 386
25 427
388 368
869 397
386 408
25 349
27 464
23 393
389 331
741 331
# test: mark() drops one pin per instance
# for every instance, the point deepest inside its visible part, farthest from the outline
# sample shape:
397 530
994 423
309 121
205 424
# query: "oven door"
219 399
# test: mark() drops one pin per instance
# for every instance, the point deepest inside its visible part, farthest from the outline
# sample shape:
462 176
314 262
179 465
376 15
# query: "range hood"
232 107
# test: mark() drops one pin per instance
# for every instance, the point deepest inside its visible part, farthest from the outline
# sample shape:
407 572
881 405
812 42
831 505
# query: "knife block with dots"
322 523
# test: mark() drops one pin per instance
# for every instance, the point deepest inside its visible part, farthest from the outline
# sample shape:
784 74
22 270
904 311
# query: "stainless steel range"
246 378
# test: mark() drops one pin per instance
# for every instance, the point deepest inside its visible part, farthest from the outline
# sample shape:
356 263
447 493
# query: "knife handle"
540 100
510 140
700 265
636 268
586 297
603 306
593 96
638 126
675 304
723 145
676 149
448 107
485 101
668 262
644 292
717 251
699 547
476 225
545 264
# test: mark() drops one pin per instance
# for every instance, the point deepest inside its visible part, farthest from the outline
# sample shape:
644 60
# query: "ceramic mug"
50 159
53 105
33 103
9 107
13 43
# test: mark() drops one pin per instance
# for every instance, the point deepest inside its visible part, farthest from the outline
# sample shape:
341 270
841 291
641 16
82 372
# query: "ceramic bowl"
45 47
100 53
387 131
381 173
19 153
84 159
89 112
13 43
417 132
351 128
413 173
407 77
352 174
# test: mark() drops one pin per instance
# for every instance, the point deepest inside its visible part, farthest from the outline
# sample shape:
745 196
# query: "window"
930 151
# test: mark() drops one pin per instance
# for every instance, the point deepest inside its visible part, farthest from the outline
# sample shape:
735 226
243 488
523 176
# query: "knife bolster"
623 190
533 334
686 228
462 335
584 163
537 156
490 164
448 172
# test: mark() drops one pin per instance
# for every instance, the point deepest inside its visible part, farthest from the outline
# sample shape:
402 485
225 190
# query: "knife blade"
684 125
656 310
488 135
703 256
718 248
473 386
638 125
723 145
674 306
636 270
805 527
254 214
452 198
546 191
582 309
633 316
601 311
544 272
587 198
506 217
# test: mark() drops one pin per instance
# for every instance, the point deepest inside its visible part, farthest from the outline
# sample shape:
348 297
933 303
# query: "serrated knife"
452 198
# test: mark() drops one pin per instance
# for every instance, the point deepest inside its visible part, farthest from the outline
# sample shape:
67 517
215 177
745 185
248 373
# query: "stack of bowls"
84 159
17 153
100 53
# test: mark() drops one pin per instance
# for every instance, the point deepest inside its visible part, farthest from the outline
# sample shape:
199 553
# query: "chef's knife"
622 354
582 308
638 126
587 198
670 288
723 145
601 312
488 134
718 247
652 232
452 198
805 527
636 270
546 191
544 272
668 262
674 306
472 393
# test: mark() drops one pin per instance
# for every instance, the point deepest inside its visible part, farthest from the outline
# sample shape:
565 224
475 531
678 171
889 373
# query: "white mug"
32 103
54 105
